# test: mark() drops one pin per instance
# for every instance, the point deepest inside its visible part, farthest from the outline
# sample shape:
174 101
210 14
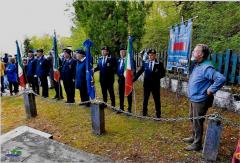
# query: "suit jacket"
43 67
151 77
80 78
31 67
107 70
68 69
120 69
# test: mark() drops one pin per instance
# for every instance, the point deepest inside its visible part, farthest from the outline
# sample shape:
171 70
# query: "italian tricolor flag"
56 73
22 81
128 68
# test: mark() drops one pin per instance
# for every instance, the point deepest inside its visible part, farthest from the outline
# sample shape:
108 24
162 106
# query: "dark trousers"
58 89
156 96
33 81
15 85
69 86
84 93
199 109
109 88
121 90
44 84
2 83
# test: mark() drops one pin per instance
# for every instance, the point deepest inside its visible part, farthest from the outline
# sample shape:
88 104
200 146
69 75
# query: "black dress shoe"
193 147
129 110
188 140
69 102
119 111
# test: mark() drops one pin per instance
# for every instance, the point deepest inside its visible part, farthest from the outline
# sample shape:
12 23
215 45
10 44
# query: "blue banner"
89 69
179 50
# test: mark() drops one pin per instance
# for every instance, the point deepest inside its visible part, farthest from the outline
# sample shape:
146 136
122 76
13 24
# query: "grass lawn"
126 138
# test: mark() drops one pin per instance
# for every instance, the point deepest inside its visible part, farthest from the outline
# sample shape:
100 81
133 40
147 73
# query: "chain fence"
97 101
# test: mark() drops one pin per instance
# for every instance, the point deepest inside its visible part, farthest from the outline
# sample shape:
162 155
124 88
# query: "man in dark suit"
107 66
42 71
121 80
153 72
80 79
68 75
31 72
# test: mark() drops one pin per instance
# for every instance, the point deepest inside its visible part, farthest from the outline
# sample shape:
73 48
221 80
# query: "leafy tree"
218 23
45 42
108 23
161 16
27 46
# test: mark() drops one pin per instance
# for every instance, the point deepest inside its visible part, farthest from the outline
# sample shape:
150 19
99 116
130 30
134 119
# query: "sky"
25 18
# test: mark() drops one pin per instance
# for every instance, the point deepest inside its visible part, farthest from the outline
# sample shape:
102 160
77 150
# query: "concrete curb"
20 130
222 99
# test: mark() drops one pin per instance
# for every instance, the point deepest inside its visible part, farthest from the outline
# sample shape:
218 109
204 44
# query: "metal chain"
51 100
99 102
230 123
156 119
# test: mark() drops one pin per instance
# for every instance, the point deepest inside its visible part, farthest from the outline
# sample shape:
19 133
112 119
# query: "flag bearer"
121 81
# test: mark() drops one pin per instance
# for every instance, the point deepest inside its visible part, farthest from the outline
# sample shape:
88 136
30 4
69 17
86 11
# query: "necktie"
151 66
122 63
103 62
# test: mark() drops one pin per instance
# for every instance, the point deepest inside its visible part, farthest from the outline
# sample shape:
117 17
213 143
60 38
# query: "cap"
40 50
69 51
105 48
30 51
122 48
80 51
152 51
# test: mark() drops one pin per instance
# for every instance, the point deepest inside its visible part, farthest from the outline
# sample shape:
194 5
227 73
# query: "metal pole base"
30 105
98 121
212 139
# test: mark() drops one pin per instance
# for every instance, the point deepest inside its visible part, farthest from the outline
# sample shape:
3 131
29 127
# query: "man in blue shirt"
204 81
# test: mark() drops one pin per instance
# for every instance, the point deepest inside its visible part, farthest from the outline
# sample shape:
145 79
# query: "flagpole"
24 72
59 86
185 20
134 98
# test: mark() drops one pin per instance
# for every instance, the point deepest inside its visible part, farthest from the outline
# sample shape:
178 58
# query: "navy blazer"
68 69
107 71
31 67
151 77
80 78
43 67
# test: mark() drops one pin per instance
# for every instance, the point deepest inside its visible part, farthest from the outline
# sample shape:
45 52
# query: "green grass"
126 138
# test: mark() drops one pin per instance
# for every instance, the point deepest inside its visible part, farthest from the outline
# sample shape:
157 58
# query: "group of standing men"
73 75
204 81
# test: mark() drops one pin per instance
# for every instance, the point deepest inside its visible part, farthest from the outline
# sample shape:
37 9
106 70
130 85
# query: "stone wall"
222 98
